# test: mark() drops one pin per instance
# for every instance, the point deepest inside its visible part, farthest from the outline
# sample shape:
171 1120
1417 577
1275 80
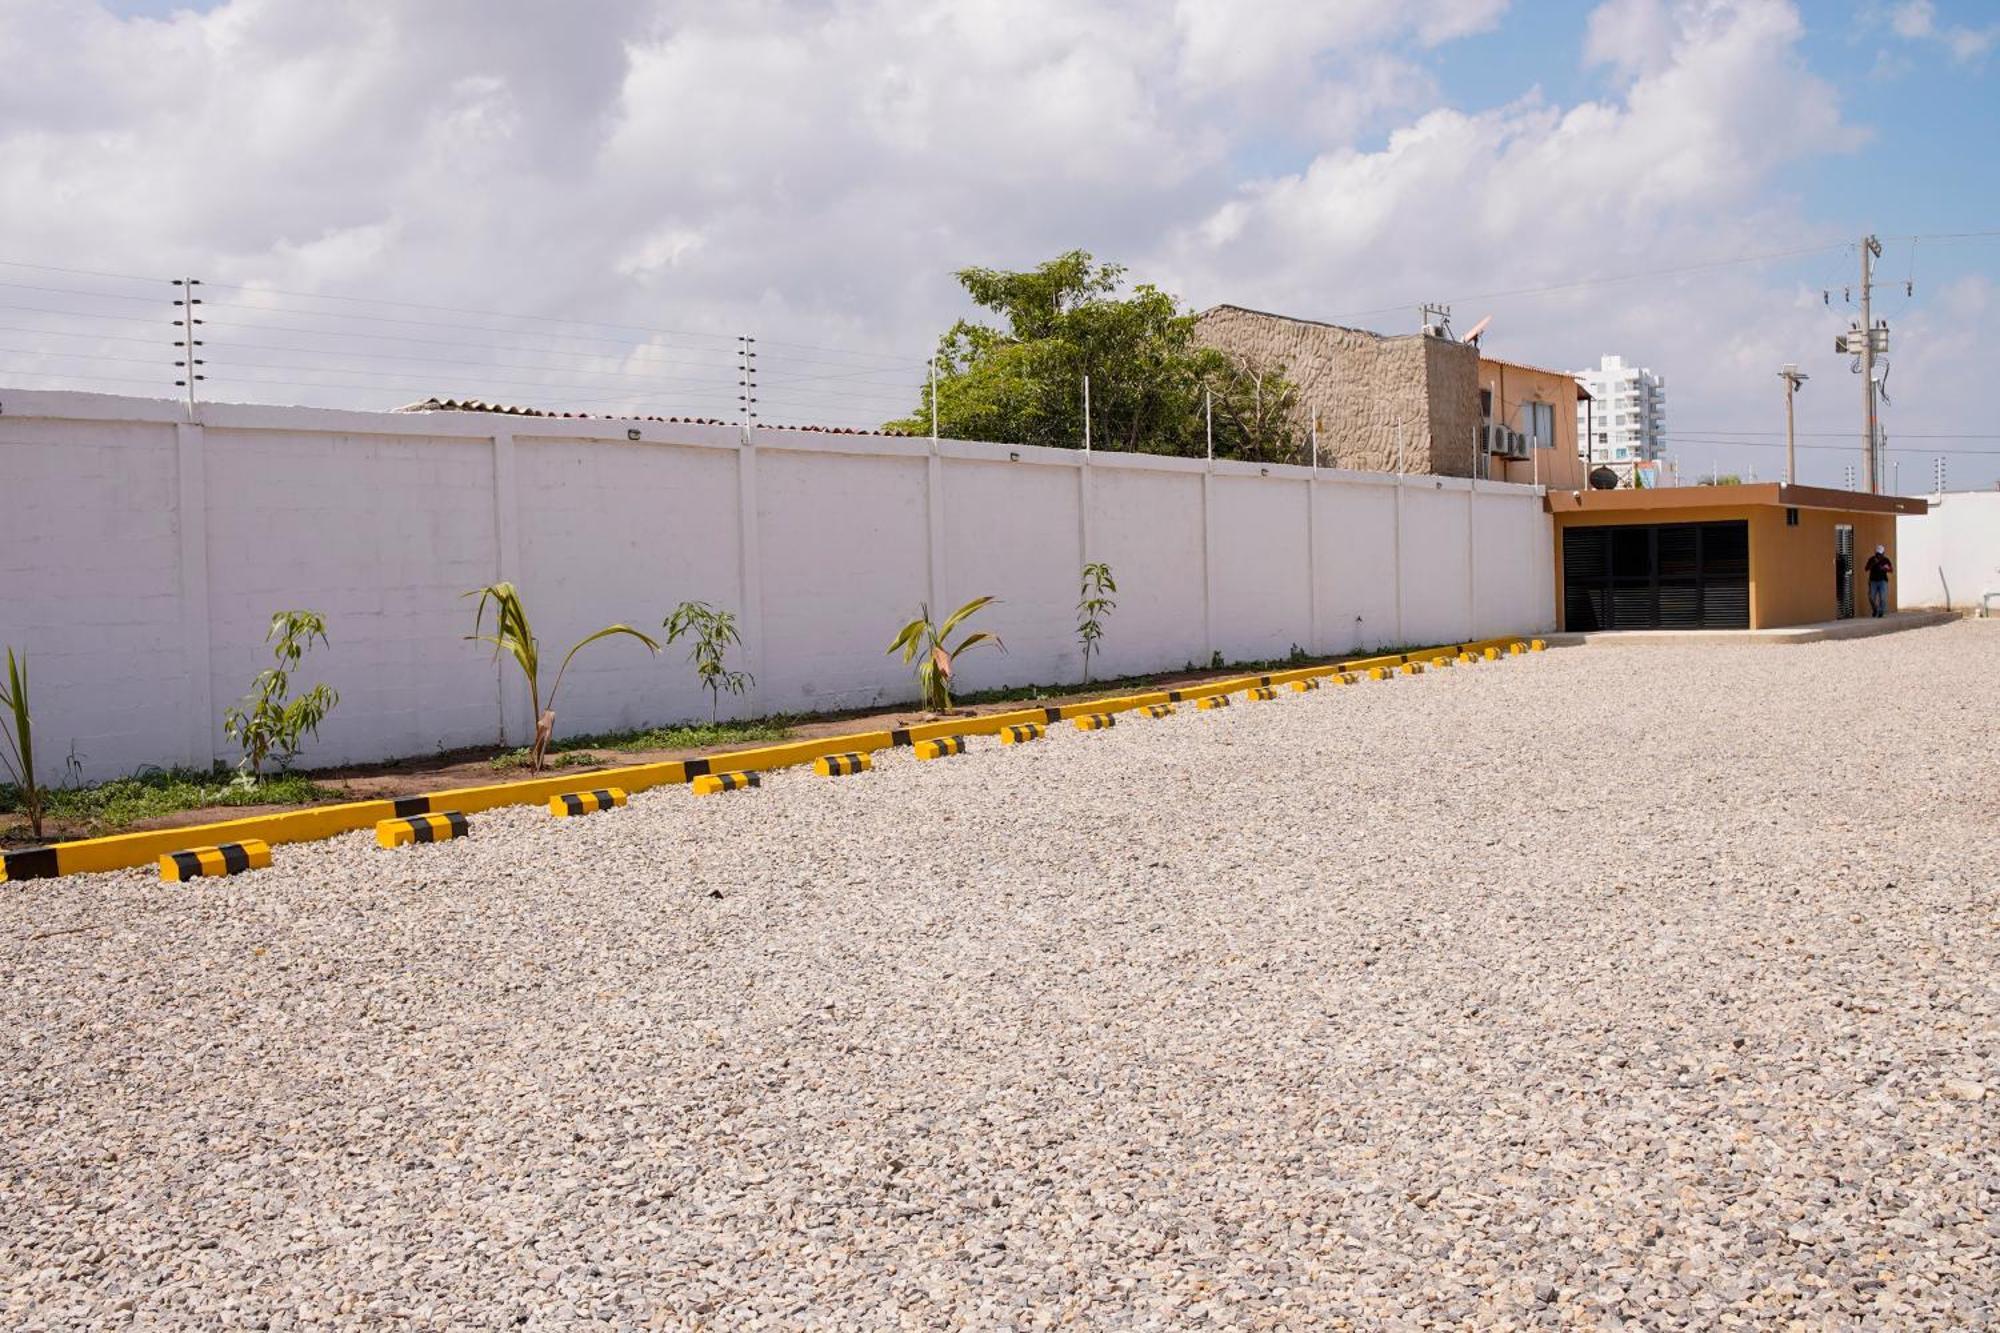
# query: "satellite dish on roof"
1477 329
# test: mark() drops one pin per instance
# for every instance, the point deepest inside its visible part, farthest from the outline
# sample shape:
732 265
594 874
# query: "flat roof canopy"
1731 497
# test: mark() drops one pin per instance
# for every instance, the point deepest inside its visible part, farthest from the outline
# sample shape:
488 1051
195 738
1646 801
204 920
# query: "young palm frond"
514 636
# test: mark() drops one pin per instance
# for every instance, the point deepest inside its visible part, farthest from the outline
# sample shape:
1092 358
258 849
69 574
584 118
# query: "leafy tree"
274 725
713 633
1021 382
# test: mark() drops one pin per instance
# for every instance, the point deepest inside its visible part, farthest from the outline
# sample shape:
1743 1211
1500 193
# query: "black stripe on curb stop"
34 863
235 860
188 864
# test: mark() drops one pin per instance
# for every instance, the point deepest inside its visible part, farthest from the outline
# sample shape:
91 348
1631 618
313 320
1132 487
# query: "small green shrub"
713 633
926 645
273 724
19 732
1098 585
513 636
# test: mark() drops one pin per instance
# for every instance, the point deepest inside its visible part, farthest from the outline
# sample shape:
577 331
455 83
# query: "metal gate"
1843 569
1657 576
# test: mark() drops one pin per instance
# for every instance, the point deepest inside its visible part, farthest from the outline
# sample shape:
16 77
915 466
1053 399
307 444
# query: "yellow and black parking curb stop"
1380 672
1095 722
572 803
1412 668
1516 648
1212 701
1261 693
714 784
1538 645
422 828
1465 659
941 748
1158 710
1491 654
1302 686
1021 734
229 858
840 765
1440 663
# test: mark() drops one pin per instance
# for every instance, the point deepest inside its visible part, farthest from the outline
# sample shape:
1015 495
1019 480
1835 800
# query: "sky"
584 207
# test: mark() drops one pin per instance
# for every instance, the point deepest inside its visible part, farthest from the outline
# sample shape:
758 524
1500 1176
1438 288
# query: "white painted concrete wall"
141 557
1951 555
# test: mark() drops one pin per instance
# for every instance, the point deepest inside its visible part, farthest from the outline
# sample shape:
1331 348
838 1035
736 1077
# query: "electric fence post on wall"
746 396
186 358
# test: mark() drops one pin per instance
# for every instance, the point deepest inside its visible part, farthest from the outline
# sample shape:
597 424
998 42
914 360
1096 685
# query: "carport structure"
1717 557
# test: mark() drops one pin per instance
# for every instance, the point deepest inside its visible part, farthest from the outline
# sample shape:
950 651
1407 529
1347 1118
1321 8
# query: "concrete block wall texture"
1382 402
1951 555
144 555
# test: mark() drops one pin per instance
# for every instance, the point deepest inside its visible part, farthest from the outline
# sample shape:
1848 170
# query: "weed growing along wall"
142 556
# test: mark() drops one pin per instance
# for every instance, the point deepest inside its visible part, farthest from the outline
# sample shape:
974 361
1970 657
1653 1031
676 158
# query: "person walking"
1879 568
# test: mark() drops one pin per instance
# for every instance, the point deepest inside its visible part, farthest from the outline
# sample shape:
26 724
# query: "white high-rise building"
1625 421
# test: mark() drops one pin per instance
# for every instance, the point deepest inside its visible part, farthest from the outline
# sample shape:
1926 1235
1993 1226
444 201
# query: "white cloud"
813 172
1916 21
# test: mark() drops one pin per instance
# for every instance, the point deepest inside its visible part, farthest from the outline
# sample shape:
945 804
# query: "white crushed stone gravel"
1601 985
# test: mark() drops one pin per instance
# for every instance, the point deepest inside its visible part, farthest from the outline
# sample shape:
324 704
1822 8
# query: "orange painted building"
1539 407
1718 557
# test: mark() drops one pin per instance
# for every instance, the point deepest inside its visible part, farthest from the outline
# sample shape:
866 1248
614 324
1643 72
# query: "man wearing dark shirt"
1879 569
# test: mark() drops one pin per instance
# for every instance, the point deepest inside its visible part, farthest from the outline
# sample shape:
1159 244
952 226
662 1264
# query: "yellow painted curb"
1023 733
713 784
1095 721
121 851
230 858
941 748
422 828
840 765
573 803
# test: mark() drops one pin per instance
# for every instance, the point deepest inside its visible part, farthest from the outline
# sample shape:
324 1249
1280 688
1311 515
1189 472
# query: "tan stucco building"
1384 404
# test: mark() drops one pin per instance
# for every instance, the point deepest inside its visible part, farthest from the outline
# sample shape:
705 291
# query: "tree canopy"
1021 381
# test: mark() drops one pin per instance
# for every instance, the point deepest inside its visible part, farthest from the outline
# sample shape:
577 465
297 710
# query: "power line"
1621 277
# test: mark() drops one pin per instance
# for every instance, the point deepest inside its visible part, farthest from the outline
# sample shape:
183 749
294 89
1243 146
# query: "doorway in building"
1657 576
1843 569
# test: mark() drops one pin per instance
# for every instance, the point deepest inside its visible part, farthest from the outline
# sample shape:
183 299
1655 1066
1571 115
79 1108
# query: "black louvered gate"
1657 576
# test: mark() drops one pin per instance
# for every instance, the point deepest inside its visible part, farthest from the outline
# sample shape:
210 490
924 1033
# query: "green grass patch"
685 736
110 806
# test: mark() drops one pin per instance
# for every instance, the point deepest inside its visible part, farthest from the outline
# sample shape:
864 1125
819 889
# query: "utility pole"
1793 378
1863 341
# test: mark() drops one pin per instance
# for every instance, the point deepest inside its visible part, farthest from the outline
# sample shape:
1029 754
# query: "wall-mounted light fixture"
632 433
1013 455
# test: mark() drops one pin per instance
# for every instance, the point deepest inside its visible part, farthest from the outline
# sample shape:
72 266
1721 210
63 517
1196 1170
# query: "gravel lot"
1657 985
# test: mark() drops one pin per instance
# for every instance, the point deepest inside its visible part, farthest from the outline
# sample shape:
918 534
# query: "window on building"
1538 423
1486 403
